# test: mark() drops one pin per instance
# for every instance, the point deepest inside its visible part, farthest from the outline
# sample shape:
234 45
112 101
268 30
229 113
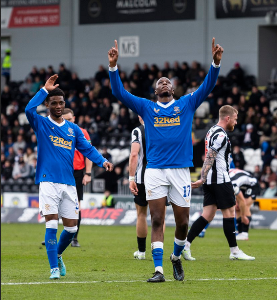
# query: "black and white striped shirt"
217 140
241 179
138 136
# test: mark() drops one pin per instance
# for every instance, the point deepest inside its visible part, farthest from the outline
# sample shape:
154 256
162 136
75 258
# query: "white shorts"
57 198
175 184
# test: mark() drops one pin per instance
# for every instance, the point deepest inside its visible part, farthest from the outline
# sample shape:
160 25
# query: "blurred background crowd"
109 123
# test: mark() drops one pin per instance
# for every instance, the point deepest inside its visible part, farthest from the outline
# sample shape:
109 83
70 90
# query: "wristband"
89 174
131 178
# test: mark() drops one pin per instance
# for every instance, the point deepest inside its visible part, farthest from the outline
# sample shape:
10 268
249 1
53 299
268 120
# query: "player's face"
164 87
69 117
232 122
56 106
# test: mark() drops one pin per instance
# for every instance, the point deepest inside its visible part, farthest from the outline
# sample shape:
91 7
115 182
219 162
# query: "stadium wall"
84 47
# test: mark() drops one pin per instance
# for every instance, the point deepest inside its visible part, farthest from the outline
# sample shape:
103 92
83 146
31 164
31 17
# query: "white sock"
187 245
175 257
234 249
159 269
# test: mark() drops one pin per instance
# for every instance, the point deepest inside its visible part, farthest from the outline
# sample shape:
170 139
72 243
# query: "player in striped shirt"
169 151
217 186
57 140
246 188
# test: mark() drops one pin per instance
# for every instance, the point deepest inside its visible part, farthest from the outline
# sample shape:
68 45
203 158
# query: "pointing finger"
213 42
115 43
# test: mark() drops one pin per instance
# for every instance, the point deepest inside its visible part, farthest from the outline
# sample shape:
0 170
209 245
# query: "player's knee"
53 224
71 229
157 222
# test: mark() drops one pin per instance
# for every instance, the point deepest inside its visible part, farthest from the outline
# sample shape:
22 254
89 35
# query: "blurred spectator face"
122 111
106 102
87 119
145 66
236 149
254 89
265 110
21 131
166 65
6 89
262 120
274 129
268 170
29 151
160 74
74 76
19 138
272 184
136 66
229 100
106 82
10 140
249 128
257 169
235 90
118 170
3 157
194 65
263 99
37 79
11 152
33 138
242 99
220 101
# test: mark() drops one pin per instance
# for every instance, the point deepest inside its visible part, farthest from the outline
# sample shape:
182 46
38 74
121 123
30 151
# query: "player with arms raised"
169 154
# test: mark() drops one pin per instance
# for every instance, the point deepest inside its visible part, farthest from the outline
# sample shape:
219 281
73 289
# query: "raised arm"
210 80
31 108
136 104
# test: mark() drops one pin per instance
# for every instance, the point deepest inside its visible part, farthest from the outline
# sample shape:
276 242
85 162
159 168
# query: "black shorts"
78 175
140 198
250 191
222 195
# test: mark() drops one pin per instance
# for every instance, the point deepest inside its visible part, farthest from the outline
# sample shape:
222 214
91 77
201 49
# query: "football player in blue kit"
57 140
169 151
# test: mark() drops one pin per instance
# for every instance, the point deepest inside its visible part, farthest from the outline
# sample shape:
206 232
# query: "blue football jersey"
56 145
167 125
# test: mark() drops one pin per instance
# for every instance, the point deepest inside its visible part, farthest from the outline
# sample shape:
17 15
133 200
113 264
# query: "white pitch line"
132 281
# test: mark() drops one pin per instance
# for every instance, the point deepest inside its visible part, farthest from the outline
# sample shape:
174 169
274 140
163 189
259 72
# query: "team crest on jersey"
156 110
70 132
47 207
176 110
149 192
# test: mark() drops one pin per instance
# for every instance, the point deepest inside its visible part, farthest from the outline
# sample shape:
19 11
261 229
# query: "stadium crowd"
109 123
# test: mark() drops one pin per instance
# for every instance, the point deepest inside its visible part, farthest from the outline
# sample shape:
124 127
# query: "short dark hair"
56 92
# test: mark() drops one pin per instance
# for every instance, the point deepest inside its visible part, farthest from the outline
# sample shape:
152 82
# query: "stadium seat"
203 110
115 108
248 155
272 105
273 164
22 119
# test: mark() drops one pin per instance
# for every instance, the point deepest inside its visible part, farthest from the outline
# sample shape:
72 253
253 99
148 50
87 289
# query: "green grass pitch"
104 268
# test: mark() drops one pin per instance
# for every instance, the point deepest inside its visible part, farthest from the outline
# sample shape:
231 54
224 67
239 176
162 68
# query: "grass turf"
104 268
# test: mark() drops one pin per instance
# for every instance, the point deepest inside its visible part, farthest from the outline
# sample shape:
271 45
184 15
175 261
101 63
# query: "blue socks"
51 247
65 239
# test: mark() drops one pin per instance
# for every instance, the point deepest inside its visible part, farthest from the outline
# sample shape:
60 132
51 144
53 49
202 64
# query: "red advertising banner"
35 16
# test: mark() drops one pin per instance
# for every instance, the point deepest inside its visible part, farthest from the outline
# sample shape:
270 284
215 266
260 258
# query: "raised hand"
50 83
113 55
217 52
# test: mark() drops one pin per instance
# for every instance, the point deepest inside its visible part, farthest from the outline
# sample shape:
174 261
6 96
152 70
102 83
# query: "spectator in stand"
184 71
3 159
136 70
268 175
200 76
251 116
16 128
6 66
101 74
6 170
20 143
179 90
144 72
193 71
84 107
105 111
50 72
33 142
235 94
26 86
257 172
273 137
177 69
123 120
21 169
34 73
75 83
136 85
198 124
96 89
271 191
250 139
238 157
94 110
106 154
105 91
266 150
267 114
6 98
8 145
263 127
255 96
29 155
11 155
166 70
193 86
218 104
36 85
113 123
64 77
108 200
94 136
236 75
242 108
42 74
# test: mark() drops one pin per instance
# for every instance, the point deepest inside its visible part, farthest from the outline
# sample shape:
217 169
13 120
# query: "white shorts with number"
57 198
173 183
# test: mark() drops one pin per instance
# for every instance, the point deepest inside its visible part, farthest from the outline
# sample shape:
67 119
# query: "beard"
164 94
